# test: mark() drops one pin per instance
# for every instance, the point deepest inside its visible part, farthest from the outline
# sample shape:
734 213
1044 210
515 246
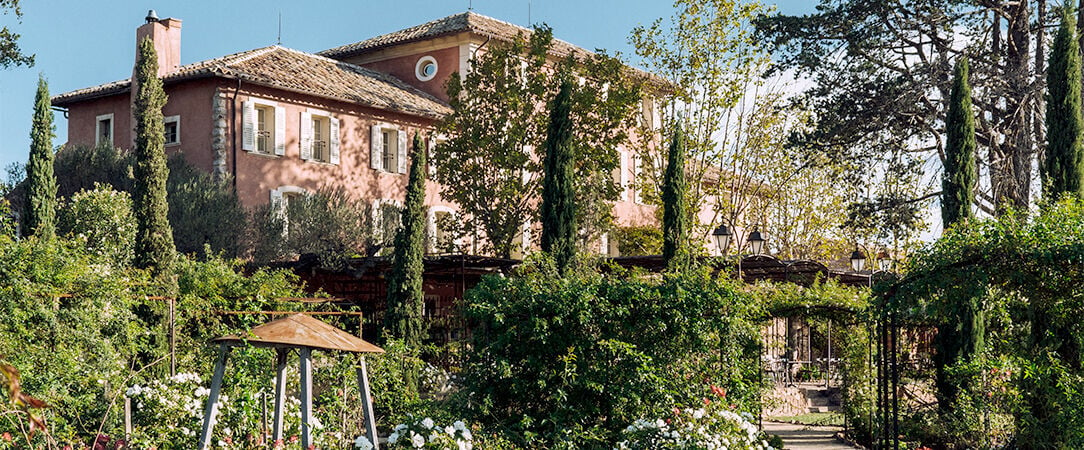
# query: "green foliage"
204 213
1026 279
10 53
406 299
675 238
66 324
329 224
489 166
101 221
81 168
858 383
154 239
41 189
535 370
1063 167
558 210
639 240
958 183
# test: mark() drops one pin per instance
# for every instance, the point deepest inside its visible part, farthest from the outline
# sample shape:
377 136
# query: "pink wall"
258 174
403 68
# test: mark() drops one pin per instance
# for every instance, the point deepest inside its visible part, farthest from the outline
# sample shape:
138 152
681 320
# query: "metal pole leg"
211 411
306 397
367 403
280 392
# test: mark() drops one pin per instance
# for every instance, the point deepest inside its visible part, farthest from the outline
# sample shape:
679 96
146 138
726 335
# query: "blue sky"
82 43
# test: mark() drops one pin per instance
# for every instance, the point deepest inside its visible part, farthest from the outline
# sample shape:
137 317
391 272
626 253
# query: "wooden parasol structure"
305 334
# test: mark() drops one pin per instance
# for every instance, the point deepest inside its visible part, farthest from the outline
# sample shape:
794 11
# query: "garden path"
805 437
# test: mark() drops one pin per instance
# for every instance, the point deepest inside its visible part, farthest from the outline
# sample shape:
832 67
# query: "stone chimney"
166 35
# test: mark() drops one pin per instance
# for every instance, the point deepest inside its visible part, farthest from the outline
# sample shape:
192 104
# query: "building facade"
280 122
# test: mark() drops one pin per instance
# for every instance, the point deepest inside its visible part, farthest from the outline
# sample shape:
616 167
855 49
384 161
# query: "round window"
426 68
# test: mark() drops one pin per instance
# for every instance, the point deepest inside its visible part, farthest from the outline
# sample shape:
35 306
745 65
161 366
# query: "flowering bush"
169 414
425 433
710 427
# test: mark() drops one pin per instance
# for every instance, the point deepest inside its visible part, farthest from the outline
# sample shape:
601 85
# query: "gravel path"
806 437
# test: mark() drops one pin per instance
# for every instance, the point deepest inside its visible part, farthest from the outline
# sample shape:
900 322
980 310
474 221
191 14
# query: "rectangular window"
320 149
391 150
264 124
264 127
173 130
104 132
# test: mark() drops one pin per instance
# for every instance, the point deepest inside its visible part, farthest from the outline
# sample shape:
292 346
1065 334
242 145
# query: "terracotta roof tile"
297 71
463 22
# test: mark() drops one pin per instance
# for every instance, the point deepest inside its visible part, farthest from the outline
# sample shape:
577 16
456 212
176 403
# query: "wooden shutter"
248 126
401 161
306 135
280 130
333 139
376 148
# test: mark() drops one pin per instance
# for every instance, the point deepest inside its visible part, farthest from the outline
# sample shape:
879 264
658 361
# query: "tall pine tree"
674 211
1063 168
558 208
154 238
958 182
405 296
41 183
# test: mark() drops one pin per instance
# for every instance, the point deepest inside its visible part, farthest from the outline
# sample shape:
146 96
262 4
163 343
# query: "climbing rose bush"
711 427
425 433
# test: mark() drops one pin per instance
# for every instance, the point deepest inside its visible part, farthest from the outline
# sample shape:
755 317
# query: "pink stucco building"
282 122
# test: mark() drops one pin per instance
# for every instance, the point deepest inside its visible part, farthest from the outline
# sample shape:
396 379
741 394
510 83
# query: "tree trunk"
1012 178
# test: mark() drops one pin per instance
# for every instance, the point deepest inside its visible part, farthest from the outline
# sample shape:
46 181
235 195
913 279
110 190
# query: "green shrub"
205 214
639 240
328 224
572 361
101 221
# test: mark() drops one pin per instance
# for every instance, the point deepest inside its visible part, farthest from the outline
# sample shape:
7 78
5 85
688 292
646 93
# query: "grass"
829 418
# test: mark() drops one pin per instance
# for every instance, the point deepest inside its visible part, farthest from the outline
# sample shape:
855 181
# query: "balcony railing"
263 141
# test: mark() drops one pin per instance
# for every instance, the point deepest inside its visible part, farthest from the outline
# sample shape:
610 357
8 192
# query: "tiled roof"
296 71
463 22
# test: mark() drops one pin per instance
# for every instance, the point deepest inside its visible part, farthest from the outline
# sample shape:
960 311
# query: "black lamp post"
884 261
756 241
858 259
722 239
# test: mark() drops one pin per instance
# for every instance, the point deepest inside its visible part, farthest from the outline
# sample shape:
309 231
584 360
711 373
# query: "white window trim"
421 63
378 224
112 129
402 149
431 222
334 136
278 206
278 128
175 119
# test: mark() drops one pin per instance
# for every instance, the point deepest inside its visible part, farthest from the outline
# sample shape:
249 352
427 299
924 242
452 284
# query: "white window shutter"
624 168
401 161
376 148
248 126
306 135
637 183
333 140
431 160
280 130
526 240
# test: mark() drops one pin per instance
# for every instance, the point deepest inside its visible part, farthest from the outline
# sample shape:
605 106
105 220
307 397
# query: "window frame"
98 129
176 120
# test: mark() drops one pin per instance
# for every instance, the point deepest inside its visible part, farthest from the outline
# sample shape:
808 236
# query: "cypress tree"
41 183
958 182
674 215
1063 168
558 208
154 238
405 296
